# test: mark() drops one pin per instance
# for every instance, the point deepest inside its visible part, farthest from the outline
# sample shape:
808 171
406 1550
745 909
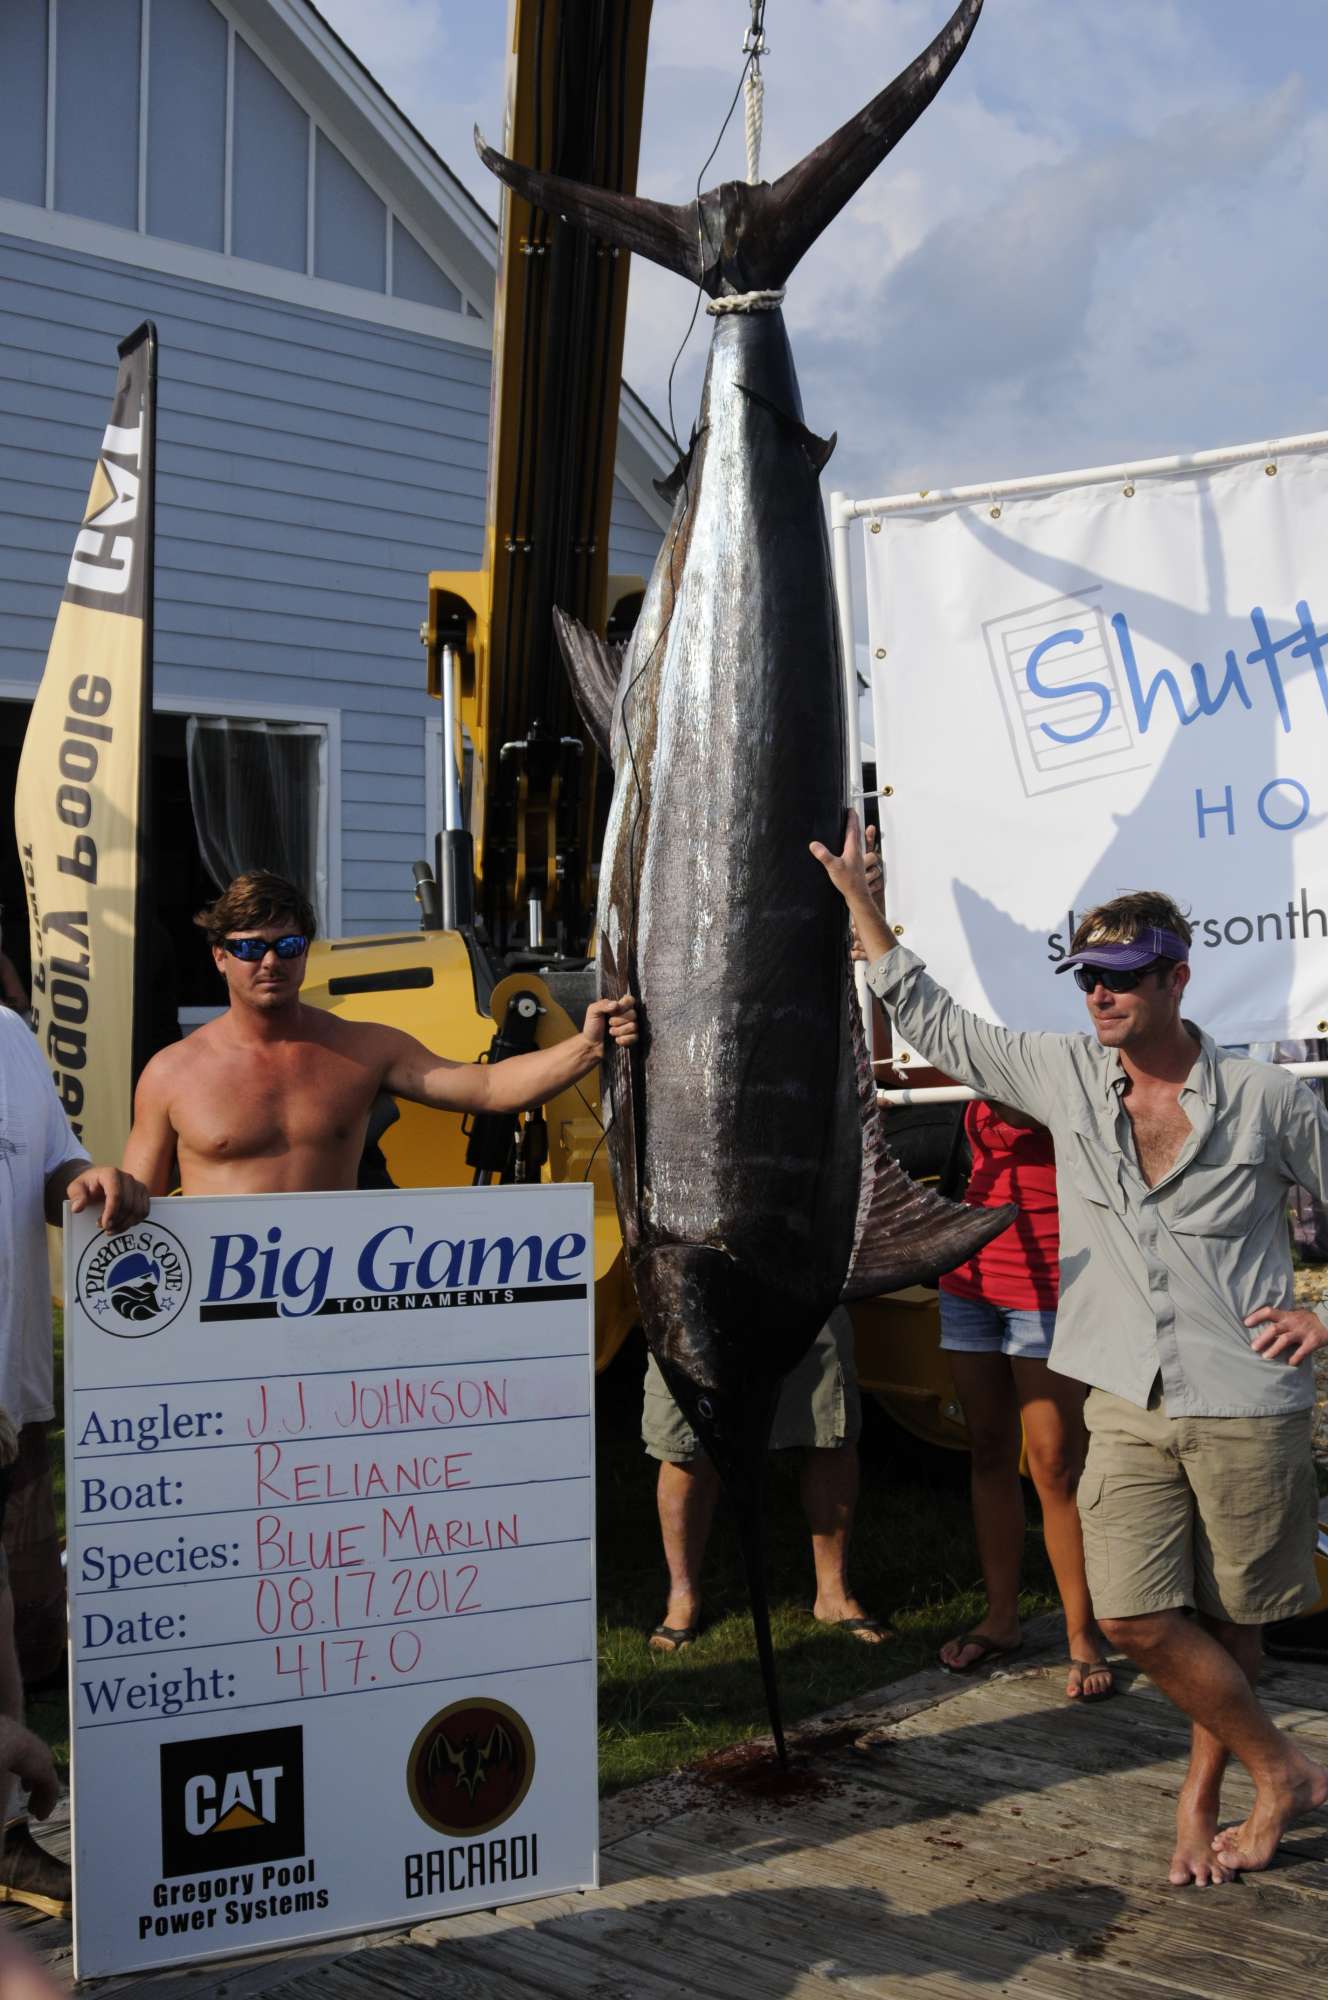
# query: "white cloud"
1101 240
445 76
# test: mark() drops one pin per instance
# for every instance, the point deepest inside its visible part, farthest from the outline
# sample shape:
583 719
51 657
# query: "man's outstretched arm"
519 1082
862 891
1018 1069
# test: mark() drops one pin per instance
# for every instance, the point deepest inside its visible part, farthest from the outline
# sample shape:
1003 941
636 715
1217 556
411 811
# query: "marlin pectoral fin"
817 449
594 667
658 230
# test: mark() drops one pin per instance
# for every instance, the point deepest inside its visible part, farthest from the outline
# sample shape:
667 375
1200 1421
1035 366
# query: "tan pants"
819 1408
1218 1513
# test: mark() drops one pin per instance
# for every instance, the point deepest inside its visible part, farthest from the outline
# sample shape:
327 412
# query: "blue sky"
1104 242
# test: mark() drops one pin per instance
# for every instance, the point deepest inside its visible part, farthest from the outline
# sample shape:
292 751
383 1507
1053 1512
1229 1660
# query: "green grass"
913 1566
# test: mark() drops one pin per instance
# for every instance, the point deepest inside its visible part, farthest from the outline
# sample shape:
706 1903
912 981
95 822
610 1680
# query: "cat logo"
470 1767
232 1800
241 1792
103 558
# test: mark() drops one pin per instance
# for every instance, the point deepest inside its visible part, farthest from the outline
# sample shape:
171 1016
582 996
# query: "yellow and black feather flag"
80 808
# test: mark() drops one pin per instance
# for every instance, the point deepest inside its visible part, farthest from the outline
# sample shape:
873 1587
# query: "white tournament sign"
330 1477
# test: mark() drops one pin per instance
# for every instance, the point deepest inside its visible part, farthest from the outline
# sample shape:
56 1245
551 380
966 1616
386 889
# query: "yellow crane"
526 796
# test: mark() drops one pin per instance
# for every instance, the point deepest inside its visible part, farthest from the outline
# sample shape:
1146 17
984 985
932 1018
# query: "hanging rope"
754 47
755 114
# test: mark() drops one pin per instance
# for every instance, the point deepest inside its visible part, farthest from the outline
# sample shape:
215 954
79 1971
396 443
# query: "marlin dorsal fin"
594 667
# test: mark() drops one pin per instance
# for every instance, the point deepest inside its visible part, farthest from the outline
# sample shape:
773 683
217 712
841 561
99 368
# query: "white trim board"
357 115
645 451
295 39
55 230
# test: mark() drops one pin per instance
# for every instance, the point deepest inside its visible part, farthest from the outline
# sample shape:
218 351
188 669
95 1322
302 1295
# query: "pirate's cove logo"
230 1801
470 1767
134 1283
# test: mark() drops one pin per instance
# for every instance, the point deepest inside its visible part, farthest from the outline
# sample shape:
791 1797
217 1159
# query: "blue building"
323 291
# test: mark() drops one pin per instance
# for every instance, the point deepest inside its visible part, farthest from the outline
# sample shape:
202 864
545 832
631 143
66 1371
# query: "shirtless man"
274 1096
1177 1309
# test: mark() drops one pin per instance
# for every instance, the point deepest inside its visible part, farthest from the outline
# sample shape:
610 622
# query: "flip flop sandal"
988 1649
856 1627
1085 1667
674 1637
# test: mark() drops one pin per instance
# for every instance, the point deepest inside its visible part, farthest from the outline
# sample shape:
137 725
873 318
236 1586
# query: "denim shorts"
971 1326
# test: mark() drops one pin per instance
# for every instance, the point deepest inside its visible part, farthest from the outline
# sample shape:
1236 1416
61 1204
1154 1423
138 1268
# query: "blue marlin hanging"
755 1188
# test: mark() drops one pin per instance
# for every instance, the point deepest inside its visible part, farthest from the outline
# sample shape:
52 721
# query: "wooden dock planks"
946 1838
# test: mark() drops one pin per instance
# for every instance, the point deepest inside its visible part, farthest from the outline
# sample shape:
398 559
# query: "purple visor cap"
1142 950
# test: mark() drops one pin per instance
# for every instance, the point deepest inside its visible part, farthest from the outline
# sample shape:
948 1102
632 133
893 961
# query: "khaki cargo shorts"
1218 1513
818 1406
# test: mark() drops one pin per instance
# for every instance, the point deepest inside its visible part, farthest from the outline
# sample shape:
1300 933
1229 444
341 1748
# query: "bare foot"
848 1615
1194 1860
1254 1842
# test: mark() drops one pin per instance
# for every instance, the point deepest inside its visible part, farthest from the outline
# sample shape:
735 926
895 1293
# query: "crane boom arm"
576 88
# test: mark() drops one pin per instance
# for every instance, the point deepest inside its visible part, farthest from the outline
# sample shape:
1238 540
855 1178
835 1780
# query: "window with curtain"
257 790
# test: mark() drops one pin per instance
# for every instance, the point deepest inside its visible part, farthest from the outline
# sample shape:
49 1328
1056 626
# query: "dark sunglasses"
1086 977
254 950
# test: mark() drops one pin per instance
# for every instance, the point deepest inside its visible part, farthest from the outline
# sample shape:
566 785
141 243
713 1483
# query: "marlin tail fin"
740 238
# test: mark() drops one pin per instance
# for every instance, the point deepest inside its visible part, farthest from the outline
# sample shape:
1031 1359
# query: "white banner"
330 1478
1118 686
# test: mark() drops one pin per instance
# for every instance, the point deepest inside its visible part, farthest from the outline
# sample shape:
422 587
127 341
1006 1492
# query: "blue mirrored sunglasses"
253 950
1088 977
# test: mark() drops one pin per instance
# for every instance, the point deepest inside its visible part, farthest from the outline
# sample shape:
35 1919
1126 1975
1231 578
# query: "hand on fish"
612 1019
875 869
858 874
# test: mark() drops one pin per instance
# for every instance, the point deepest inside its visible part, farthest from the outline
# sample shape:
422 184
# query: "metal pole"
451 778
1093 475
841 525
456 886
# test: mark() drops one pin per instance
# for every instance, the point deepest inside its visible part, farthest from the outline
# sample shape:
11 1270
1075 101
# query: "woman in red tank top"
998 1314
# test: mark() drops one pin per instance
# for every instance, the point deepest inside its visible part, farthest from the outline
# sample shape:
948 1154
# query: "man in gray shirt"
1177 1309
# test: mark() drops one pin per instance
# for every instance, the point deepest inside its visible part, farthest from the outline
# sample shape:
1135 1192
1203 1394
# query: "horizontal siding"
634 538
311 470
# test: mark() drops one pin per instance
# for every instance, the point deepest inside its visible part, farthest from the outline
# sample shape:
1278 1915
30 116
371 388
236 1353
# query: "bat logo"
470 1767
472 1761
